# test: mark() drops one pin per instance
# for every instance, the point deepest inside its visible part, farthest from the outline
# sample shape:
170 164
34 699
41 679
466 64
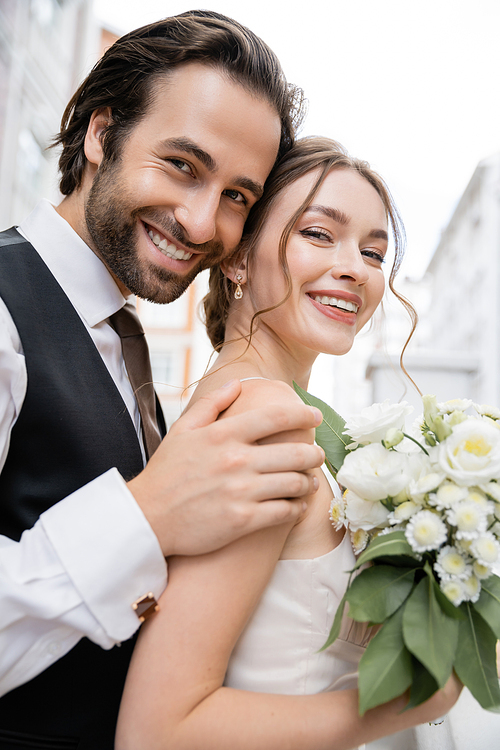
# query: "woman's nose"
349 263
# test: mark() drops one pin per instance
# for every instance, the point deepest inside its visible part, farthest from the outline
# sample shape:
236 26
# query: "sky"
412 87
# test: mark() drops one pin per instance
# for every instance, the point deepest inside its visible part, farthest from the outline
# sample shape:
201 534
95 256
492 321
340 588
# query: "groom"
165 148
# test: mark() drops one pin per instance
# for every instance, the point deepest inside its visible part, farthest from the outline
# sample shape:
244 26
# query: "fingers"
270 420
276 512
207 409
291 484
279 457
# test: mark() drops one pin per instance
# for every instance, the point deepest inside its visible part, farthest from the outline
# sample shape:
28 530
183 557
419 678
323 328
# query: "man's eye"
181 165
235 195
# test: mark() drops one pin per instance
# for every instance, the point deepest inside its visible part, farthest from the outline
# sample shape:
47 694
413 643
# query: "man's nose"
198 217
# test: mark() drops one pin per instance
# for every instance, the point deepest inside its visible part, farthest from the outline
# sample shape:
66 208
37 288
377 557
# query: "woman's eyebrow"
341 218
333 213
378 234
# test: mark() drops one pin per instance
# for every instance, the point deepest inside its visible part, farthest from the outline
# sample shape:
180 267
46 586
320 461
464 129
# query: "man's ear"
99 121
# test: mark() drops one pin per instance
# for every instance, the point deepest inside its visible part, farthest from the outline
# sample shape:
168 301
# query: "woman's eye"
316 234
235 195
374 255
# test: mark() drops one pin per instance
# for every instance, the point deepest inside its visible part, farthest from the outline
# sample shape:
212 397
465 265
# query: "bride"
231 660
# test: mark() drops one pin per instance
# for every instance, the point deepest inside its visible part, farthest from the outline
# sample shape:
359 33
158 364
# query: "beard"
113 227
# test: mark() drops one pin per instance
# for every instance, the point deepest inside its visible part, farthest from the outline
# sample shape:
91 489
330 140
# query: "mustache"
168 225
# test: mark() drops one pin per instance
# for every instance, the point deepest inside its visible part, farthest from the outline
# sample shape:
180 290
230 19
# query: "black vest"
73 426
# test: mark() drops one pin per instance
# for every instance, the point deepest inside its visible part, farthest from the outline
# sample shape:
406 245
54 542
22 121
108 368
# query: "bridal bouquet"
423 508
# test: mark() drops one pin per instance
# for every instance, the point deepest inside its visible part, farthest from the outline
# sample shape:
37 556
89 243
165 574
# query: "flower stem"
417 443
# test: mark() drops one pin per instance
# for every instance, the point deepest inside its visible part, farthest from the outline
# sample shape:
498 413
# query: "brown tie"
136 355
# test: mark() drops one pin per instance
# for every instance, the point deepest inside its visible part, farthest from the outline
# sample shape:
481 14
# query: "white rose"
374 473
471 454
363 514
372 423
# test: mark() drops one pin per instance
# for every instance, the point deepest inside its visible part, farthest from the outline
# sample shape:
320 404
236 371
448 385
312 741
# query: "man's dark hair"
124 79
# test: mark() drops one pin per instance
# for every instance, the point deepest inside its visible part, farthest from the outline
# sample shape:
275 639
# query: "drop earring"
238 292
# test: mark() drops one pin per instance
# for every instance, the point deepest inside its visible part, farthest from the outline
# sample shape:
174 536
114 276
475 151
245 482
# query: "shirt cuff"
109 551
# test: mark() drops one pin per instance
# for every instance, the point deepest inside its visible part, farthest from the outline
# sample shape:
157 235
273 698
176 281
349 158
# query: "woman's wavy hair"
307 154
124 79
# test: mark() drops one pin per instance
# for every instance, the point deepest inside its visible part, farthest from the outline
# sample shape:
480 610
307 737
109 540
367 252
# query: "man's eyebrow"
184 144
253 187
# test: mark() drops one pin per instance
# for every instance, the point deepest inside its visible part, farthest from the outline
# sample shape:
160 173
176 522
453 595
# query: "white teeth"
343 304
171 251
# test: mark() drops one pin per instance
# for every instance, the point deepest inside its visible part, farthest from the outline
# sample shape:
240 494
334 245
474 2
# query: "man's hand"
210 483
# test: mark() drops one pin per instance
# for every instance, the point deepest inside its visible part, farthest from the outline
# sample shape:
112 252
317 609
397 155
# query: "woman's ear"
99 121
235 269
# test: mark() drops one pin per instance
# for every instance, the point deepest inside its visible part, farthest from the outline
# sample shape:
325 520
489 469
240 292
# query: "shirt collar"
82 275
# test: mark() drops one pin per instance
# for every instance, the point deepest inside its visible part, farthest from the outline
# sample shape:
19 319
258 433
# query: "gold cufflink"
145 606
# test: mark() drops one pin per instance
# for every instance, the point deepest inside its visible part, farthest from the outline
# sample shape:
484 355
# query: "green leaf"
475 661
423 685
398 561
394 543
337 622
330 433
385 669
379 591
428 633
488 604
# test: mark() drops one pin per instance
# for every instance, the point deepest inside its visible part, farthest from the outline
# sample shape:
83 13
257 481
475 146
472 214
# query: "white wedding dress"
278 652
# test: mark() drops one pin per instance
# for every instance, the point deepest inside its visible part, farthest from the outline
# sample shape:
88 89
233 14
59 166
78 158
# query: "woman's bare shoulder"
262 392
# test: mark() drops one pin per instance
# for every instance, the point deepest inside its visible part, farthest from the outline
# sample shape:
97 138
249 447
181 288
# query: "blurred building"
464 316
455 352
46 48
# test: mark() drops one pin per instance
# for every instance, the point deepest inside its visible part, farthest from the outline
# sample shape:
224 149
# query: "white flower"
453 589
476 496
450 563
363 514
373 472
337 512
472 588
359 540
487 411
447 495
425 475
492 489
392 438
469 519
425 484
404 511
455 404
481 571
485 549
471 454
372 423
425 531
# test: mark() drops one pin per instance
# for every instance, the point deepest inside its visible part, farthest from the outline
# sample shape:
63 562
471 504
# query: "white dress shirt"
78 570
